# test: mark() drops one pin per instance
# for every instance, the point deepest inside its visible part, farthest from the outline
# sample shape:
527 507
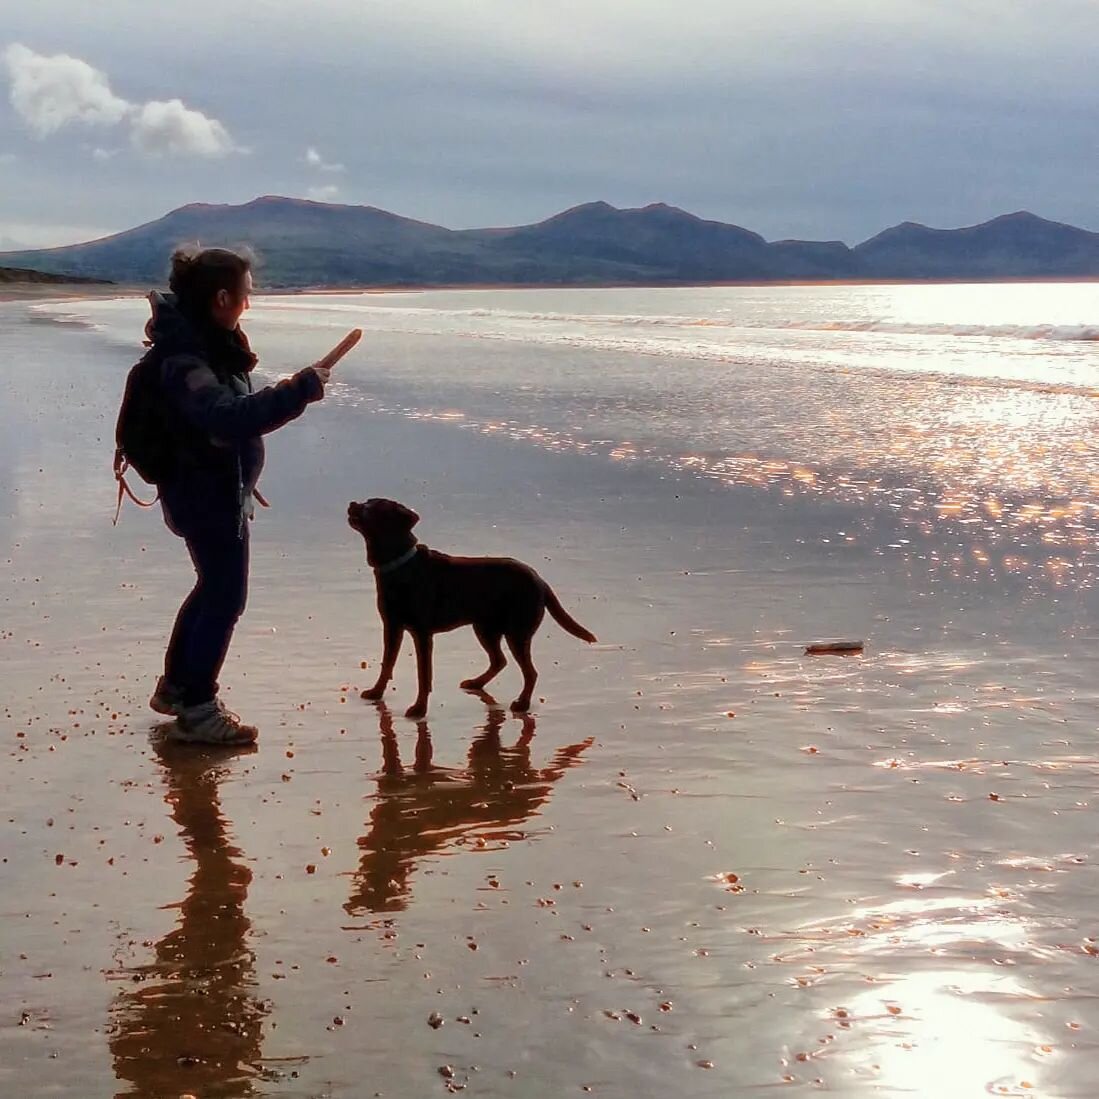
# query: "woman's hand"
323 367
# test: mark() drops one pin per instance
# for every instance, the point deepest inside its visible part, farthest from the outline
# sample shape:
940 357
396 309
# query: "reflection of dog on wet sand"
427 592
426 809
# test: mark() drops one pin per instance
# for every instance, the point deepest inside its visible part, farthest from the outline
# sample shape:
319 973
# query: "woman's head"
212 282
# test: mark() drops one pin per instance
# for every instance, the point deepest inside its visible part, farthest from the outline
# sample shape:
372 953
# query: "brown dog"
427 592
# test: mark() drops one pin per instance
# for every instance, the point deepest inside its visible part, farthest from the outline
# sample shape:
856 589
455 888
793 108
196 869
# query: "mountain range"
299 243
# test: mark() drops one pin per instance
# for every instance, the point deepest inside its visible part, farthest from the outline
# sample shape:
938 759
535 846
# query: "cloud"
796 118
170 128
315 160
99 153
326 192
51 92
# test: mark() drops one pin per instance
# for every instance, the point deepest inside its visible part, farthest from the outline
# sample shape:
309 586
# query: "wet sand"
705 864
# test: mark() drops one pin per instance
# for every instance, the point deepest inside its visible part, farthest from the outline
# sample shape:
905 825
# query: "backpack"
143 435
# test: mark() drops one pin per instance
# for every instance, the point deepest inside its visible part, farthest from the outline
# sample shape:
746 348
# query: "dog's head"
378 518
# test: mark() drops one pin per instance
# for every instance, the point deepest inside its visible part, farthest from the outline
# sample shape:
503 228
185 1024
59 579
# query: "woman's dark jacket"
216 419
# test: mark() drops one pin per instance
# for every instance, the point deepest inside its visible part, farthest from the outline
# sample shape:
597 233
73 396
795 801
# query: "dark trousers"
206 620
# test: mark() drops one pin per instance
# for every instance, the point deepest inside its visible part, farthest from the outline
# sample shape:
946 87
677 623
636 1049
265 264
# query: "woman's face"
228 308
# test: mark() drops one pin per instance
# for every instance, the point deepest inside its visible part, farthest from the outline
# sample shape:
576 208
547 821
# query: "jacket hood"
173 331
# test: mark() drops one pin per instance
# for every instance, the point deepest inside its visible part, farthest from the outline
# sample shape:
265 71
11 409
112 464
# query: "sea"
968 408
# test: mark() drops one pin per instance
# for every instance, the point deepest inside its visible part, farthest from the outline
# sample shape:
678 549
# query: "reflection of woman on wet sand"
192 1023
430 808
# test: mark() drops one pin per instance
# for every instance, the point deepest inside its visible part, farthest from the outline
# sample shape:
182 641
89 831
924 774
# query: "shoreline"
747 283
69 291
41 292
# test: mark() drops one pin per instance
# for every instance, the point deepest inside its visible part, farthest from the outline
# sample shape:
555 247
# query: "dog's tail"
564 619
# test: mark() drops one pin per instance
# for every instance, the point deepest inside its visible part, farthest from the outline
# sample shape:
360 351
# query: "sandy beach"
45 292
706 864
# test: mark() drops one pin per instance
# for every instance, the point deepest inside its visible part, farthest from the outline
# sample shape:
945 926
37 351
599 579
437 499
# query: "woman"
216 423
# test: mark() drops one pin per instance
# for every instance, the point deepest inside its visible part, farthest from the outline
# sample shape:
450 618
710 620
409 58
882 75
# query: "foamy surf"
1042 331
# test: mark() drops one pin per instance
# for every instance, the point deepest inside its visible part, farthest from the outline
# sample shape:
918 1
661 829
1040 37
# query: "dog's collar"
392 566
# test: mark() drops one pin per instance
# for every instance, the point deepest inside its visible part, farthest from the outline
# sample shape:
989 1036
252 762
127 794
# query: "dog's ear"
392 513
405 516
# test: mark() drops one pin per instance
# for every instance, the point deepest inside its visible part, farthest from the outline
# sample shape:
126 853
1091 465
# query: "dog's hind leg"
490 642
520 649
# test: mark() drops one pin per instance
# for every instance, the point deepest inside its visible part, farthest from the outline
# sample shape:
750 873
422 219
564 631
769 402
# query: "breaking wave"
1058 332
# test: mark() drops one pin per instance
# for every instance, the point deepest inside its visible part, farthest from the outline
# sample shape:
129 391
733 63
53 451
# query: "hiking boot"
167 699
211 723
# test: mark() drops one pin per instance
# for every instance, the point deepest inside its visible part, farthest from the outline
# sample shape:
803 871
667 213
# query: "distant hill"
301 244
23 275
1019 245
661 243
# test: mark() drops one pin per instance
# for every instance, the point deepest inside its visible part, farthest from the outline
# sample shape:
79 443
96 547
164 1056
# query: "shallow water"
875 877
966 408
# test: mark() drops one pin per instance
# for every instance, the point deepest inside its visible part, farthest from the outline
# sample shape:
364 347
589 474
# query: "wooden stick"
340 349
841 648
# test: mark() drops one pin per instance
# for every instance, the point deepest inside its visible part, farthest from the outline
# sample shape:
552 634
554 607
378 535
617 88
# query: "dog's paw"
373 694
416 710
520 706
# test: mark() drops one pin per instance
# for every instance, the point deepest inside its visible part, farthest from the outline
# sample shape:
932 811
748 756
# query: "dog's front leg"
425 645
391 647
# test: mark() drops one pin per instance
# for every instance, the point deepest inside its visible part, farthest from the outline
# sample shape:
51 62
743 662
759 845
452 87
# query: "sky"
819 119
